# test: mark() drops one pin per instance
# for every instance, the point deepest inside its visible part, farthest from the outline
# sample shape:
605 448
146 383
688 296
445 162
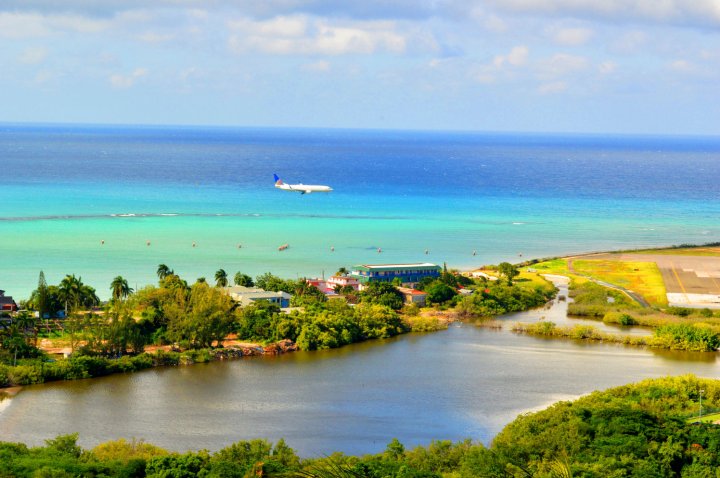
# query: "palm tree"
69 292
75 294
163 271
243 279
120 288
221 278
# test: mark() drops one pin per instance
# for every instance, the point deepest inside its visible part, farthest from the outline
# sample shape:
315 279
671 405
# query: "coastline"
159 356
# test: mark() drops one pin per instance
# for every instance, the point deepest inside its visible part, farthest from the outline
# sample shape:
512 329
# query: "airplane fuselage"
304 188
301 188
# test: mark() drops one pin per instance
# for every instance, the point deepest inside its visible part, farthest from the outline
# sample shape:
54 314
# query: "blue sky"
617 66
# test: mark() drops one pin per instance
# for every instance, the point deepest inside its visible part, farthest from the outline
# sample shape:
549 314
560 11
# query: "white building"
247 295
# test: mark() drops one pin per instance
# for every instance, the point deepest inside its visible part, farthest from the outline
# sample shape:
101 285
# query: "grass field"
643 278
684 251
555 266
712 418
525 279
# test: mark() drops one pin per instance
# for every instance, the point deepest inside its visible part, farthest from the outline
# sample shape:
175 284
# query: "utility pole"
701 394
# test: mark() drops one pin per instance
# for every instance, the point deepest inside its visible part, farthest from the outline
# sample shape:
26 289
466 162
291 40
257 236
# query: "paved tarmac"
689 280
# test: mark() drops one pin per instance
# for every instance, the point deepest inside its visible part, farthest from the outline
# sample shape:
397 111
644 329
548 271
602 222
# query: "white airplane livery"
301 188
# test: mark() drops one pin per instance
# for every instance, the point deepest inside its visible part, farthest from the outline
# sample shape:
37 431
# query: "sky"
588 66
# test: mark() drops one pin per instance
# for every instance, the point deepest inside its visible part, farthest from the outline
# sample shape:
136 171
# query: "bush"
24 375
4 376
163 358
694 337
619 318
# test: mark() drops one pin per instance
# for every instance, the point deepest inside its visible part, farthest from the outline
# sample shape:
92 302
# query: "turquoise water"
66 189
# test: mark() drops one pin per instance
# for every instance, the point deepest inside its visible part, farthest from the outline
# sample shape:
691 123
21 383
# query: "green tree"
201 318
382 293
509 271
306 294
274 283
243 279
75 294
439 292
120 288
221 278
163 271
42 299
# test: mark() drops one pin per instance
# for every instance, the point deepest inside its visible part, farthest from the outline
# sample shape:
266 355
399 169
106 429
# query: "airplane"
301 188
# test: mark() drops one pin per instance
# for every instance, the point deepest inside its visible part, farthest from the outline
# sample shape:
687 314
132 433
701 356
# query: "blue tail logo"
277 179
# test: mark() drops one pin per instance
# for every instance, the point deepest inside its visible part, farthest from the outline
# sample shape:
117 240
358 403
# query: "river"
465 382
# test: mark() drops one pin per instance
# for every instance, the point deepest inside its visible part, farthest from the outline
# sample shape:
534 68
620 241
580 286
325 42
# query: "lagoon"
465 382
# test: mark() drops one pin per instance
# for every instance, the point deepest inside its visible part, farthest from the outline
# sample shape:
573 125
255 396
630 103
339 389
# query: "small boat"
283 247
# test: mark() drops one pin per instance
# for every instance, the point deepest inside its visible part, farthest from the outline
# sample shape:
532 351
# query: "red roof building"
7 304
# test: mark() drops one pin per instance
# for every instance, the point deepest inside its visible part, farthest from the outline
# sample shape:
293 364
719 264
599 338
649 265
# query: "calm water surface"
460 383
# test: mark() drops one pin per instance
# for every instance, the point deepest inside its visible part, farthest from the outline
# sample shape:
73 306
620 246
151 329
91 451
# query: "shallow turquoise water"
70 188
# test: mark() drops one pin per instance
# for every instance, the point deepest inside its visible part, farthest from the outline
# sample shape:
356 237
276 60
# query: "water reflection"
463 382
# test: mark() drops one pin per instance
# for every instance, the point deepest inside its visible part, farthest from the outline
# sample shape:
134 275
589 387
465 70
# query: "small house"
248 295
7 304
413 296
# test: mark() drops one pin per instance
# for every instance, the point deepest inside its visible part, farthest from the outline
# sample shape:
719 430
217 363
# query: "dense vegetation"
644 430
674 328
691 337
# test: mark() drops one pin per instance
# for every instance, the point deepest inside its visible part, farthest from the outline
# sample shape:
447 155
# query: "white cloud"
552 88
682 66
306 36
33 55
562 64
607 67
571 36
502 66
34 25
678 12
127 81
630 42
518 56
154 37
320 66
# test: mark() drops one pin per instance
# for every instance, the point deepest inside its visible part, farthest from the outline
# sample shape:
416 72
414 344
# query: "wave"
128 215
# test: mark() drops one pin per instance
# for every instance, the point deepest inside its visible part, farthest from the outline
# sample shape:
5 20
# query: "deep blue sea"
65 189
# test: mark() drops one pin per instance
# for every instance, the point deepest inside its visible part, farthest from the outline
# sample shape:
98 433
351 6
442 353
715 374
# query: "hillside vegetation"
640 430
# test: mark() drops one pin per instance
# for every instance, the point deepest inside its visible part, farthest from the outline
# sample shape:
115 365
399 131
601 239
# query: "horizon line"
354 129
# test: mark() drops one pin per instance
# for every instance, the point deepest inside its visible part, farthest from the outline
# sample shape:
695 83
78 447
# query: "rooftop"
398 266
406 290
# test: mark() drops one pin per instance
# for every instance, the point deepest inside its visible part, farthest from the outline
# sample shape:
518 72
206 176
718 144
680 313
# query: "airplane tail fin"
277 179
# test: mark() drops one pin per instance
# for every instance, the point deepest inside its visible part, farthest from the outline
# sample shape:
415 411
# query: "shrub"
4 376
24 375
163 358
618 318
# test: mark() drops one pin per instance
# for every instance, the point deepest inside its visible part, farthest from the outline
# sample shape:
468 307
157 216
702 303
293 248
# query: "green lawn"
713 417
643 278
684 251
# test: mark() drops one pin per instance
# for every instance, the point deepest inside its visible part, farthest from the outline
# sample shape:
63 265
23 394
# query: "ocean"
102 201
